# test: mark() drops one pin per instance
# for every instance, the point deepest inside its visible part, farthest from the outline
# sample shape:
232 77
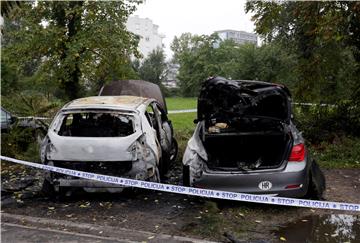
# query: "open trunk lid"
223 99
135 88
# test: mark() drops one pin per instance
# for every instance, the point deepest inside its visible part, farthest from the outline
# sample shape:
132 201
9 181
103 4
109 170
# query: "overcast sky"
175 17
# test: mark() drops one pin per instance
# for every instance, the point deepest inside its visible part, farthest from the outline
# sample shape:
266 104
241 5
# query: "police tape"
244 197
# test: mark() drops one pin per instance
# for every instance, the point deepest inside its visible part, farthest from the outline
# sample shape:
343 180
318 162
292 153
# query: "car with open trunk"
246 141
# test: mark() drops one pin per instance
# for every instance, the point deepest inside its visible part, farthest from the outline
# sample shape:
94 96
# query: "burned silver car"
125 136
245 141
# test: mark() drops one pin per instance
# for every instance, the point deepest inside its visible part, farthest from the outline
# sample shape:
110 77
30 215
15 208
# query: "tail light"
297 153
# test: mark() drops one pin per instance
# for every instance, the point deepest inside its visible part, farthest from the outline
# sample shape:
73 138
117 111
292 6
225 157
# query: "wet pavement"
322 228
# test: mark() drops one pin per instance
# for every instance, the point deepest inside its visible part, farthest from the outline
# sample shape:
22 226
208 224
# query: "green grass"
343 152
183 121
180 103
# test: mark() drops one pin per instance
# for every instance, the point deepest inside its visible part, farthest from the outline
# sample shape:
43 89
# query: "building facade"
171 81
150 38
239 37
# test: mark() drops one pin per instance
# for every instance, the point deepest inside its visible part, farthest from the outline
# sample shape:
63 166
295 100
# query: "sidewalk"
20 228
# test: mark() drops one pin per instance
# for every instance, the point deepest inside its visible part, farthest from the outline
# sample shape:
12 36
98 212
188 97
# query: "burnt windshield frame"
95 124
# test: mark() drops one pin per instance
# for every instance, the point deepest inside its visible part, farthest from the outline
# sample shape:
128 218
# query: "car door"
164 131
153 138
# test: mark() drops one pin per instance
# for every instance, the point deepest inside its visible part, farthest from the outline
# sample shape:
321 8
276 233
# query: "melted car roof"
122 102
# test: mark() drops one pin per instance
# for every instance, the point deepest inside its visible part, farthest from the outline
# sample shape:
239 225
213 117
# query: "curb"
121 234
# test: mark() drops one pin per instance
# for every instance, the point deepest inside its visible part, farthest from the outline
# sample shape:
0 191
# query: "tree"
194 54
75 45
322 34
203 56
154 67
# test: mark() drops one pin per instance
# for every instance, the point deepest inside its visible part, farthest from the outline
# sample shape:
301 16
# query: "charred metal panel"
136 88
223 99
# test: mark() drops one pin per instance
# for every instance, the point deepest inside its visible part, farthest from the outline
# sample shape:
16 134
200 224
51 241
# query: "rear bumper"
293 174
140 170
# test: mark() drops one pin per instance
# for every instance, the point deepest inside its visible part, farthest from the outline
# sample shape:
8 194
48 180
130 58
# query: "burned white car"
125 136
245 141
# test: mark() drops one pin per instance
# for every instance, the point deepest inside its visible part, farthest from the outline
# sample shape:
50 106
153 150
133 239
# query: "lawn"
180 103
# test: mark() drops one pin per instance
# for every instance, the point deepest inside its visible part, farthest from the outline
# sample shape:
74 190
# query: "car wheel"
317 182
174 150
47 189
156 177
162 168
186 175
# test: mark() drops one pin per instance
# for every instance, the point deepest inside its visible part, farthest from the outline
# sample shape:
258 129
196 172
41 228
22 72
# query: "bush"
325 123
20 143
343 152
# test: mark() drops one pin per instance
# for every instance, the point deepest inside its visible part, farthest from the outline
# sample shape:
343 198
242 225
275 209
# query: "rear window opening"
96 124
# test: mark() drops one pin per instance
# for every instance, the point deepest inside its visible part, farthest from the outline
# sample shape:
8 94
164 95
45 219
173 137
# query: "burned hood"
135 88
225 99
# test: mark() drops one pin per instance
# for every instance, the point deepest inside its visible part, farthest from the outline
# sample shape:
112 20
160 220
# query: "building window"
147 38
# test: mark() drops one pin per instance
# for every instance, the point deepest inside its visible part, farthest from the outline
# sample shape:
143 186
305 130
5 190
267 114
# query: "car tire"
162 168
156 177
47 189
186 175
317 183
174 150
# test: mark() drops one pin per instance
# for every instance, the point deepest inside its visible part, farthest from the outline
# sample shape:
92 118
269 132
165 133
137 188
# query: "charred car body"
125 136
245 141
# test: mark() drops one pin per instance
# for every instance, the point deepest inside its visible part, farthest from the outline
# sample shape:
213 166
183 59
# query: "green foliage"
203 56
29 103
70 46
20 143
324 36
342 152
195 56
326 123
154 67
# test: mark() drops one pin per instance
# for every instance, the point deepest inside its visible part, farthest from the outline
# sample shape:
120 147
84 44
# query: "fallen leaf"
69 215
304 220
151 237
85 205
242 215
258 221
51 208
282 238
